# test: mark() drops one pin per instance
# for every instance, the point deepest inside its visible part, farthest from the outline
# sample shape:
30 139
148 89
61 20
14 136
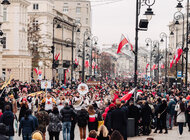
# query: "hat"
111 106
37 135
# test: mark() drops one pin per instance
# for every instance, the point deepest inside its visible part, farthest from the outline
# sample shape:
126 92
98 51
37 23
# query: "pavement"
172 135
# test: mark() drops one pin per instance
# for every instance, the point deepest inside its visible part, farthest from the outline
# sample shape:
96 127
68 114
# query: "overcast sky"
109 21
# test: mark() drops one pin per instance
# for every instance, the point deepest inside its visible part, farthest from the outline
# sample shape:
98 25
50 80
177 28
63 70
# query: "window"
4 14
86 20
78 10
4 74
65 9
87 10
35 24
78 19
35 6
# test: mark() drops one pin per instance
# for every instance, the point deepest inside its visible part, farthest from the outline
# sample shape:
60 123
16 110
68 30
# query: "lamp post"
163 37
149 43
157 45
148 14
179 7
94 41
86 34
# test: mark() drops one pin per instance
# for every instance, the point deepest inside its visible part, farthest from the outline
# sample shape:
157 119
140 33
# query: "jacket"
35 121
8 119
180 115
67 114
146 113
171 107
43 120
26 125
91 138
54 123
82 118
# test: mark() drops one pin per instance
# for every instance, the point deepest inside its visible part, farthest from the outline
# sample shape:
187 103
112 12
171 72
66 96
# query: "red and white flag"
128 95
36 70
153 67
86 63
147 66
57 56
124 41
171 63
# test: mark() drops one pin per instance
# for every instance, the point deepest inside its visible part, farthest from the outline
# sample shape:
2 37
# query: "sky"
111 20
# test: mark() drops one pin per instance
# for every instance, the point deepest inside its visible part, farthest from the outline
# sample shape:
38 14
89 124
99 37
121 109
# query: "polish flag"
153 67
139 92
36 70
162 66
76 61
128 95
86 63
171 63
57 56
179 52
123 42
147 66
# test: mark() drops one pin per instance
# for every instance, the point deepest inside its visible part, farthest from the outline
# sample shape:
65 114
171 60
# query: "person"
157 106
133 112
118 120
82 120
180 108
14 104
55 125
73 123
8 119
43 120
2 132
171 113
34 119
188 115
116 135
24 107
146 114
103 133
92 122
67 115
92 135
49 102
7 102
27 126
37 135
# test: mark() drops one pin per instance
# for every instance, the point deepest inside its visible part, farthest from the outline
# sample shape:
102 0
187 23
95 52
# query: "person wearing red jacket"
92 135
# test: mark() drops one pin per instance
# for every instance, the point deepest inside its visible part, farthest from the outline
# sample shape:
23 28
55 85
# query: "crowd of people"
25 109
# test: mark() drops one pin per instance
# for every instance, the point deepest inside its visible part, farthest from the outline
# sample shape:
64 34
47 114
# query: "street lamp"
149 43
157 55
179 7
5 3
94 41
149 14
86 41
163 37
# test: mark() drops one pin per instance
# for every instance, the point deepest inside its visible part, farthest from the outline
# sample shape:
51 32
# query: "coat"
171 107
67 114
26 125
146 113
82 118
22 111
134 112
55 124
8 119
180 115
119 121
43 120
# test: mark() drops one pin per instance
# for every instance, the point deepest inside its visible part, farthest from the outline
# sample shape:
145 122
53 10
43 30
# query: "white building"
16 59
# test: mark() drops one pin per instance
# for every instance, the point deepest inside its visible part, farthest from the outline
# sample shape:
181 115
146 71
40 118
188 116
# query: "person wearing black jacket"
146 114
162 112
82 120
73 123
118 120
134 113
67 114
8 119
2 132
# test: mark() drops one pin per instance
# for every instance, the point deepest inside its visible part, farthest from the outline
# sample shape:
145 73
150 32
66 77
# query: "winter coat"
82 118
8 119
119 121
67 114
171 107
35 121
162 111
107 121
134 112
180 115
26 125
43 120
55 124
22 111
146 113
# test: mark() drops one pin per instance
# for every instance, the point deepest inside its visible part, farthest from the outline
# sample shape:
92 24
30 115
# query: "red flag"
153 67
76 62
57 56
93 65
36 70
123 42
86 63
179 52
171 63
147 66
128 95
162 66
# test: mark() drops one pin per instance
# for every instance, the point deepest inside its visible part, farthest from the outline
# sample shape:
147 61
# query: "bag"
159 114
100 123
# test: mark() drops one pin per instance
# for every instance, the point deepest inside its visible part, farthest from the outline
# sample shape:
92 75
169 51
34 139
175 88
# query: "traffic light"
52 49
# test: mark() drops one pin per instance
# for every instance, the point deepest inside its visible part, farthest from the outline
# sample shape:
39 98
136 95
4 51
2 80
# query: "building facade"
16 60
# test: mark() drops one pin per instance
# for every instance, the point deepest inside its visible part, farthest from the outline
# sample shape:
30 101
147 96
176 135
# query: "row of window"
78 20
78 9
